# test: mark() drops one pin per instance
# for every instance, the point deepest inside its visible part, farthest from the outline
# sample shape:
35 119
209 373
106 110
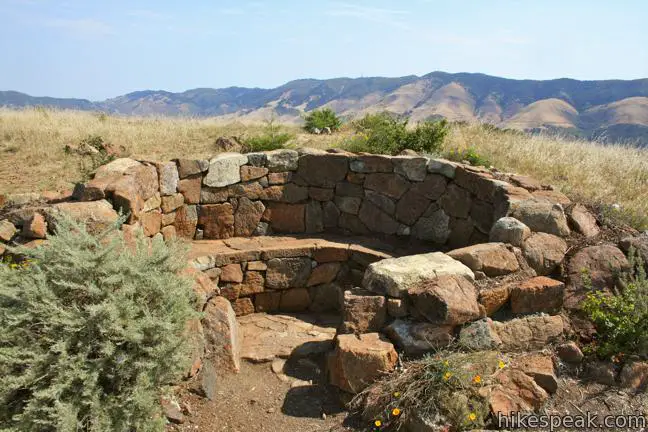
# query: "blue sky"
99 49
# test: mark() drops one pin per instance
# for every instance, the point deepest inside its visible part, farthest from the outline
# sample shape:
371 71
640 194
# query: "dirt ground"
257 399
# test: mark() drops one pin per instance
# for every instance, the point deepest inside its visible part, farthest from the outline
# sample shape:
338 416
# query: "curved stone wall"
434 201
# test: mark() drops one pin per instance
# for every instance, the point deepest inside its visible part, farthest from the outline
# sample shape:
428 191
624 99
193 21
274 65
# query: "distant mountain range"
610 110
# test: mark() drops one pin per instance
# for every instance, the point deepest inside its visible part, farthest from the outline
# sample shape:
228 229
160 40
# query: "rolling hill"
610 110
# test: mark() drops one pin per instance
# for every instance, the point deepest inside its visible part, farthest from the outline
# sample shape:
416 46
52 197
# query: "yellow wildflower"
472 417
477 379
501 364
397 394
447 376
377 423
396 412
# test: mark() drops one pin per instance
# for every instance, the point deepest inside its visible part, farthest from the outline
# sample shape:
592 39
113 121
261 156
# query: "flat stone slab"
266 337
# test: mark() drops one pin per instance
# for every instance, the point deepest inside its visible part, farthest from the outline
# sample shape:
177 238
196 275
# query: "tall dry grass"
32 155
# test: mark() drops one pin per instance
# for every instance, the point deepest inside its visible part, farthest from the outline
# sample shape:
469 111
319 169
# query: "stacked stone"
288 278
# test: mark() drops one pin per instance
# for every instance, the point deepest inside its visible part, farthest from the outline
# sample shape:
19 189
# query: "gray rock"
419 338
434 228
413 168
169 178
480 336
225 169
541 216
509 230
394 276
443 167
282 160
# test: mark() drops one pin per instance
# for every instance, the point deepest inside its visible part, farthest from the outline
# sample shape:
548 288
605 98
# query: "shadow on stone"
311 401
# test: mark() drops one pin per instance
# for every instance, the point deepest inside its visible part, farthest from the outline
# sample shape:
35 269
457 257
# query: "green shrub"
445 387
384 133
621 320
320 119
91 330
469 155
272 138
94 153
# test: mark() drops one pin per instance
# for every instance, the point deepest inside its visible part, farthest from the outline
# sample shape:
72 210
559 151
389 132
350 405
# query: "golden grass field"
32 156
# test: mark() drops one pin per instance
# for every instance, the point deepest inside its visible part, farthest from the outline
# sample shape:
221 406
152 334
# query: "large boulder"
97 215
394 276
363 313
480 336
541 216
7 230
222 342
419 338
358 361
447 300
494 259
596 267
225 169
515 392
540 367
529 333
639 244
118 167
544 252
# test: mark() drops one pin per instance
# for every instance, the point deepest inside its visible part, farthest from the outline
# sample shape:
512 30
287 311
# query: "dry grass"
32 153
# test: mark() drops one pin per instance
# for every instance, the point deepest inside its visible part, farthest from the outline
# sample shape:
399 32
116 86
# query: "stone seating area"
408 254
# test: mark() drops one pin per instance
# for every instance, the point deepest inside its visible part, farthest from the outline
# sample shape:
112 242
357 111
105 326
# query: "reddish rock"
552 196
540 367
127 198
190 189
314 217
172 202
247 217
323 273
97 215
529 333
35 227
97 188
253 283
325 298
448 300
217 220
544 252
570 352
376 220
222 342
492 299
196 336
325 254
494 259
286 217
294 300
7 230
168 233
267 301
284 273
288 193
249 172
358 361
185 221
243 306
539 294
392 185
634 375
168 219
432 187
146 180
582 221
279 178
363 313
516 392
151 222
528 183
480 184
231 273
189 167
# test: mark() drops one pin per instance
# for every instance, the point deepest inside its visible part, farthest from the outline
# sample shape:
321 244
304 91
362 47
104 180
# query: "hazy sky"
99 49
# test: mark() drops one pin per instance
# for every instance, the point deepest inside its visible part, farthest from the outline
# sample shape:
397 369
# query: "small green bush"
445 386
320 119
91 330
470 155
384 133
621 320
272 138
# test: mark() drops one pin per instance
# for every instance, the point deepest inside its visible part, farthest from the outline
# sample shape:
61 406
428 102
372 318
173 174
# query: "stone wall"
308 191
277 274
